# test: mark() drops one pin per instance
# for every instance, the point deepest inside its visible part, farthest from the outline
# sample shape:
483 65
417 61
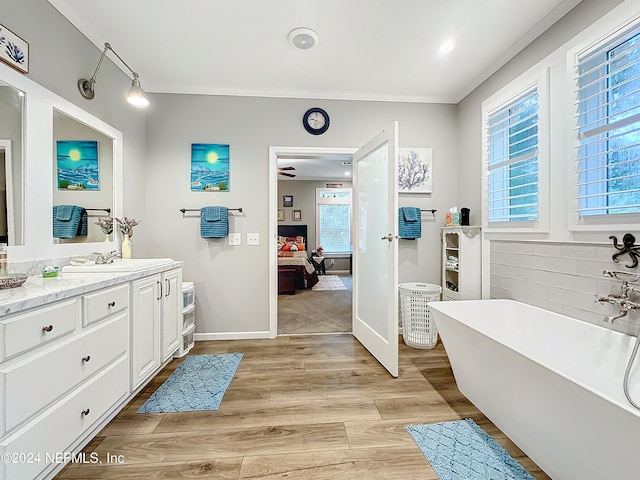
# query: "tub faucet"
623 303
107 257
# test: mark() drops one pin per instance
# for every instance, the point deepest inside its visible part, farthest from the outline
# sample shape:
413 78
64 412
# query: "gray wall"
232 282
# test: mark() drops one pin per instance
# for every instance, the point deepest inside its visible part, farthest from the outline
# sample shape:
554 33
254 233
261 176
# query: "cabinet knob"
47 328
111 304
86 359
85 412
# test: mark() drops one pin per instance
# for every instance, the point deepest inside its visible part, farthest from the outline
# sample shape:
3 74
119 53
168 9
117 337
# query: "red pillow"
286 247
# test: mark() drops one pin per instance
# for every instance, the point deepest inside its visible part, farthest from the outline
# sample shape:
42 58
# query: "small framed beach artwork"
280 215
14 51
415 170
78 167
209 167
296 214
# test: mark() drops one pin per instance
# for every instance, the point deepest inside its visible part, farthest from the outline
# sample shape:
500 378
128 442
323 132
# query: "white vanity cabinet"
155 333
65 368
171 312
145 330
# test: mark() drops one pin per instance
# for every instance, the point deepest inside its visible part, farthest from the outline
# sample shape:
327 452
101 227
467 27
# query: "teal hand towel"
217 228
409 229
74 226
410 213
64 212
212 214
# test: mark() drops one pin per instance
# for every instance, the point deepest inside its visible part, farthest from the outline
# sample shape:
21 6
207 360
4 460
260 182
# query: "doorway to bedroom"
310 191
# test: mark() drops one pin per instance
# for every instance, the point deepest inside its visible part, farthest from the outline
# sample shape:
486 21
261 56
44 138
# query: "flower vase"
107 237
125 252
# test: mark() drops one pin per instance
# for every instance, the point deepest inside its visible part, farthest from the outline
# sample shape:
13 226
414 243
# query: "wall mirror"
31 144
83 187
11 166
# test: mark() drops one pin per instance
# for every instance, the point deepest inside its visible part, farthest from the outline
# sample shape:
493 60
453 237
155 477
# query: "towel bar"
108 210
197 209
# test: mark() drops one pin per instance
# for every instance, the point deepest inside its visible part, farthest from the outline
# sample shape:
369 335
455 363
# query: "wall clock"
315 121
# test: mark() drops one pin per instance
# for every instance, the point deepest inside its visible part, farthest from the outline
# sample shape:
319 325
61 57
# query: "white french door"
375 203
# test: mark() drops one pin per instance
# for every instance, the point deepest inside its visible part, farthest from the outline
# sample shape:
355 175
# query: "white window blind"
511 139
608 126
334 219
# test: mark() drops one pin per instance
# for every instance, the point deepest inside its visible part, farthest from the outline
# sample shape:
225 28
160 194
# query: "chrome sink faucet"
107 257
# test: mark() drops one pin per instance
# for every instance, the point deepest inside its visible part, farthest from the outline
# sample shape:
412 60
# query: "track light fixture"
136 95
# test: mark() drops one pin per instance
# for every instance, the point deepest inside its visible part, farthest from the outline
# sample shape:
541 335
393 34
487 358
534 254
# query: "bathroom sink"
118 265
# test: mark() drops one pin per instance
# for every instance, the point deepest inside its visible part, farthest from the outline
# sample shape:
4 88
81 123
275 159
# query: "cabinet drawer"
101 304
59 428
27 330
31 384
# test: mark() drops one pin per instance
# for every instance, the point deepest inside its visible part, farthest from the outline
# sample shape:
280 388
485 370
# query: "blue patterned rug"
197 384
461 450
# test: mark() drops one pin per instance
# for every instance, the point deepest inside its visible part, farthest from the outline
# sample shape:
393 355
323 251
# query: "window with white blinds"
511 156
333 219
608 126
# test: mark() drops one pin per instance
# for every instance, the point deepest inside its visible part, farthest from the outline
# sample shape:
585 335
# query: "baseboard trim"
232 336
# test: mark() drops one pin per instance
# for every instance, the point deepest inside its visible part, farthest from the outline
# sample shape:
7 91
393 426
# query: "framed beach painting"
415 170
14 51
209 167
78 167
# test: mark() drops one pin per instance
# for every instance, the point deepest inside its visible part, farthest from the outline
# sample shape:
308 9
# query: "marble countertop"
38 291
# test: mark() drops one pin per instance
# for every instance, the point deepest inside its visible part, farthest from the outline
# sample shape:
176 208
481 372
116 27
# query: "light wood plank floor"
301 407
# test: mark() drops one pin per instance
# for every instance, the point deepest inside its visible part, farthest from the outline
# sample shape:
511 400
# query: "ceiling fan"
281 171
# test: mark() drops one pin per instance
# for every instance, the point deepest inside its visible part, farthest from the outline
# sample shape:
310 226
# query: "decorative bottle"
125 251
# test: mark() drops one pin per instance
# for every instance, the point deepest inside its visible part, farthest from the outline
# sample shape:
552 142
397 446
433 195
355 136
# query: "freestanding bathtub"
551 383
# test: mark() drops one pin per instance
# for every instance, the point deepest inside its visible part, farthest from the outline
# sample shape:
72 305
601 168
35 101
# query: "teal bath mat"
197 384
461 450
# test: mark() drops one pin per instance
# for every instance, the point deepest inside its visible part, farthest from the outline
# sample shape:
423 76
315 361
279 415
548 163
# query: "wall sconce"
136 95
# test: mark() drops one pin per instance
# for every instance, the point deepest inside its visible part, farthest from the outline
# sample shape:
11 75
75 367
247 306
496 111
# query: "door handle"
389 237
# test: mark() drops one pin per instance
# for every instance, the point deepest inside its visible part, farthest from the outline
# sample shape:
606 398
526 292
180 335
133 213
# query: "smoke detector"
303 38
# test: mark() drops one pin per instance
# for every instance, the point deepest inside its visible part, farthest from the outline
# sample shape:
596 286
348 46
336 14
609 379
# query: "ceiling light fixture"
303 38
136 95
446 47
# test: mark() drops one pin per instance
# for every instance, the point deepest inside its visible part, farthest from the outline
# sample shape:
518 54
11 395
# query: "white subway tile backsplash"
563 296
580 314
579 251
501 247
552 279
506 258
594 269
548 249
500 269
561 277
578 283
522 273
524 247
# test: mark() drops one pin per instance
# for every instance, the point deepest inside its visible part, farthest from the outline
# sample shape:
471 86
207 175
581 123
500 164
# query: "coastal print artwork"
14 51
414 170
78 165
209 167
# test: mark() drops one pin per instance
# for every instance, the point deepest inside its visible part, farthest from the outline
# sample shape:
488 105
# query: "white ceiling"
367 49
